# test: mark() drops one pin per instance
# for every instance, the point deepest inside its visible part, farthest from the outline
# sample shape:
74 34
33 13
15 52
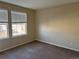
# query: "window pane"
3 30
3 15
18 16
19 29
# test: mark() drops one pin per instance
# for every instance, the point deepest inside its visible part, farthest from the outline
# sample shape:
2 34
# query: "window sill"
17 36
4 38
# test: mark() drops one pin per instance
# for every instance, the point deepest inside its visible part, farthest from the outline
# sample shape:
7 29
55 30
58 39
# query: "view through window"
18 29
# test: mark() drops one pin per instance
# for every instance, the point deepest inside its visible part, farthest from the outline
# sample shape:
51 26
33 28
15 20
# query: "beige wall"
59 26
7 43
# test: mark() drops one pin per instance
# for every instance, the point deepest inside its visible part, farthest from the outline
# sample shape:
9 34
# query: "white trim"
16 45
59 45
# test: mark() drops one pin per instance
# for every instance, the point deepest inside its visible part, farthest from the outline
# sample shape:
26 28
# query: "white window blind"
3 15
18 16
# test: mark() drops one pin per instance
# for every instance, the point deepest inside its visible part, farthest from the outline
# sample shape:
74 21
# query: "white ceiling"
39 4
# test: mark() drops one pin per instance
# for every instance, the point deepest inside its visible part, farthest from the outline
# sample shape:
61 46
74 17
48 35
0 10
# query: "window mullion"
9 24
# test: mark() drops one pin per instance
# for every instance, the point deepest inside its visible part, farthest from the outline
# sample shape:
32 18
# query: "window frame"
9 24
8 35
18 22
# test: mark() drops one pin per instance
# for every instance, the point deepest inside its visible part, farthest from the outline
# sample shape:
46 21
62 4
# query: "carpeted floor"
39 50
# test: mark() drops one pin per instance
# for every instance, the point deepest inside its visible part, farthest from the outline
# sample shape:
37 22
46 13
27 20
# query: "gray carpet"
39 50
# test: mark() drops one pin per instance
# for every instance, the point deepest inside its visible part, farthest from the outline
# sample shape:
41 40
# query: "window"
3 23
19 23
16 26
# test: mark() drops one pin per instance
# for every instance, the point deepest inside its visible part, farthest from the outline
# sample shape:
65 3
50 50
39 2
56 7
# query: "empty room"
39 29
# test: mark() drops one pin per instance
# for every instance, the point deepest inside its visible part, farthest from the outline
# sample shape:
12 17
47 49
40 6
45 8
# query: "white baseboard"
16 45
40 41
59 45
